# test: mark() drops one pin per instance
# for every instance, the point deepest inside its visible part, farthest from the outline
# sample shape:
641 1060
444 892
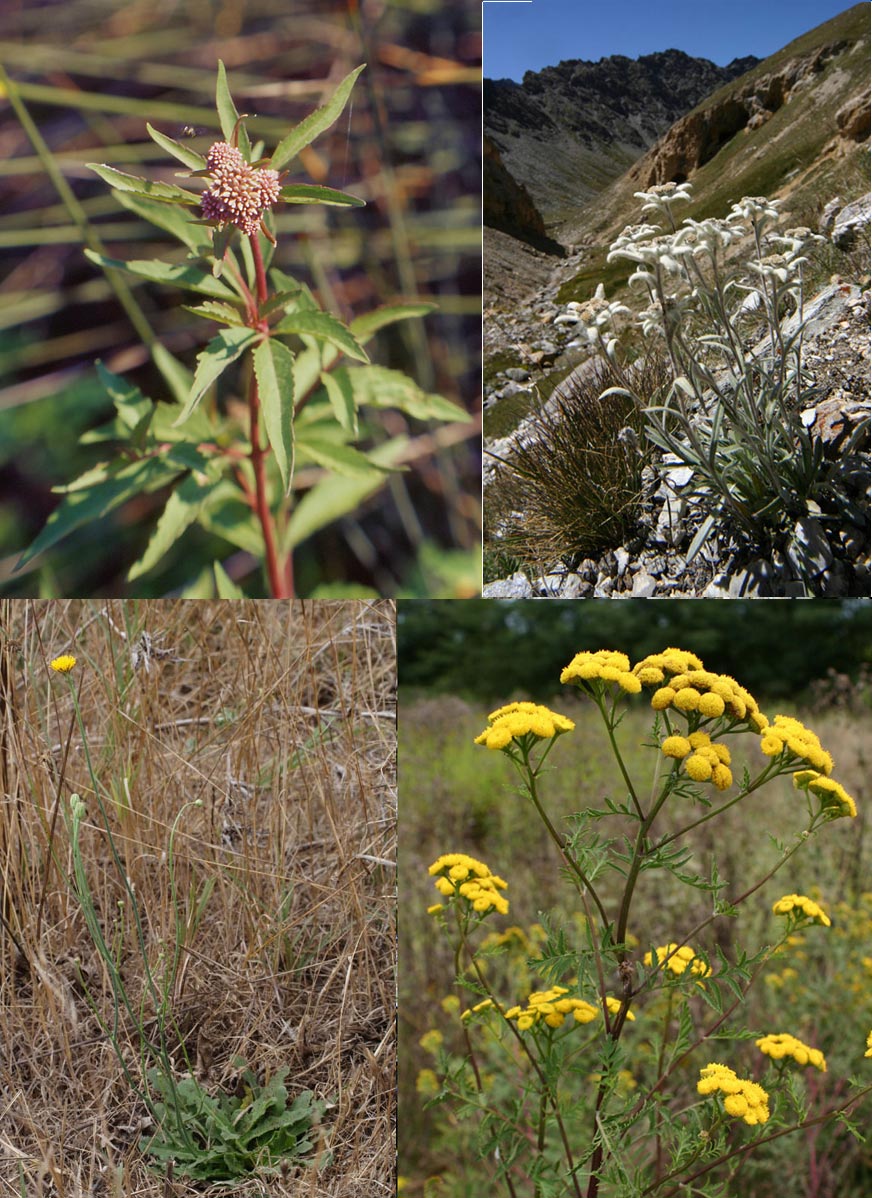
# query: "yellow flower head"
606 665
63 664
791 736
684 684
742 1099
551 1008
868 1052
800 905
457 876
832 794
678 960
782 1044
516 720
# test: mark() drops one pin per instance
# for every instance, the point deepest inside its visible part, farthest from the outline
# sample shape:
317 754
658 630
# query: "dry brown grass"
280 718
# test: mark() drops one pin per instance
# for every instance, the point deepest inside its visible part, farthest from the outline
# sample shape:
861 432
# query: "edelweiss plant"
736 412
233 472
606 1074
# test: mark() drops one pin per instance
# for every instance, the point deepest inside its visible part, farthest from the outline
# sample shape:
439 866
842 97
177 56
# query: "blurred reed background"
91 73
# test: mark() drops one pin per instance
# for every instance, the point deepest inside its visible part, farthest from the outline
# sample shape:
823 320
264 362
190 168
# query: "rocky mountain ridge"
565 132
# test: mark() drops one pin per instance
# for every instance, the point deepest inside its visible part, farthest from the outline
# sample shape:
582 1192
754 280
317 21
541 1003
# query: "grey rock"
718 588
851 220
622 560
604 587
517 375
588 570
644 585
511 389
809 551
670 525
516 587
837 581
754 582
828 216
655 566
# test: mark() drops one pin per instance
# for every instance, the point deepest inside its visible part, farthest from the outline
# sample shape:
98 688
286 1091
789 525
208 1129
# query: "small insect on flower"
63 664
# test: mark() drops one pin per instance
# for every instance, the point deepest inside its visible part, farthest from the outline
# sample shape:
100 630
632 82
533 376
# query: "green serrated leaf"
378 387
364 327
95 494
336 497
224 586
183 153
175 373
130 404
274 367
228 113
280 301
309 193
341 459
166 216
180 274
212 361
168 193
324 327
213 310
315 123
341 401
181 510
225 514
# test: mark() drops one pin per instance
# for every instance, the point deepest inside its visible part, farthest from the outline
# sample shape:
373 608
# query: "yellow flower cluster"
703 761
456 874
868 1052
484 1005
792 735
781 1044
679 959
799 902
551 1007
518 719
744 1100
606 664
831 793
685 685
63 664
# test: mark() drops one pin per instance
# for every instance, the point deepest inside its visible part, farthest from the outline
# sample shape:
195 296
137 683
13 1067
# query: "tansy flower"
606 665
691 688
678 960
703 761
238 194
458 876
552 1007
743 1099
782 1044
789 735
868 1052
832 794
484 1005
517 720
432 1040
427 1083
63 664
789 903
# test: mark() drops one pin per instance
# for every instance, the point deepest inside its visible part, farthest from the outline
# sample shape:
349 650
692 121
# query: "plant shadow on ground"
280 719
408 145
482 812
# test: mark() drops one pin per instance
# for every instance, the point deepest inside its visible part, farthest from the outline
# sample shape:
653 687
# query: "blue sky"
521 37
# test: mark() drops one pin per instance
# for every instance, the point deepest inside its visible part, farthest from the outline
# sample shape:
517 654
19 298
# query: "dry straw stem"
279 717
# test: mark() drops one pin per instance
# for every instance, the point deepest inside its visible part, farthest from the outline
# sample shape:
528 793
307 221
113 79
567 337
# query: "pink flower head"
239 194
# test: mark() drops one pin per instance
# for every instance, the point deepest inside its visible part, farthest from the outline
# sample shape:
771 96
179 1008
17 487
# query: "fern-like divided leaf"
227 1137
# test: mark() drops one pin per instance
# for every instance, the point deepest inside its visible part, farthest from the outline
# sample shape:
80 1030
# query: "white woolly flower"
707 236
661 196
756 209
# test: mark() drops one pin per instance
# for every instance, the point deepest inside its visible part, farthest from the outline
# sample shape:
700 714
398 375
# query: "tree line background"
494 649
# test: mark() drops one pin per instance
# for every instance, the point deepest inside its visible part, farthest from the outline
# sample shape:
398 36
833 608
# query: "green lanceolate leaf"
336 497
213 361
174 373
326 328
341 396
169 193
341 459
366 326
184 153
378 387
228 114
130 404
274 367
315 123
213 310
225 587
96 493
225 514
181 274
281 301
167 216
308 193
182 509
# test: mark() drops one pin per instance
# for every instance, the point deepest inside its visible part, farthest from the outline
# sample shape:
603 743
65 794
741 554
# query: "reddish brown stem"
281 578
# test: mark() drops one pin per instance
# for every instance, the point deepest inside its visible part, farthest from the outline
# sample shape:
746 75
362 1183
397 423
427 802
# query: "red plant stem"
281 578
